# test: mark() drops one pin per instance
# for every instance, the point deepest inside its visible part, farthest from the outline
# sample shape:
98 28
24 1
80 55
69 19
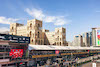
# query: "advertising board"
98 38
16 53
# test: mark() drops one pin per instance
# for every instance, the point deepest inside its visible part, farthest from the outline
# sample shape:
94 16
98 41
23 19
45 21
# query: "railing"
50 55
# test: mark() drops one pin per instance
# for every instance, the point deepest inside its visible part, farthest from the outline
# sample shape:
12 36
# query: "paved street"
90 65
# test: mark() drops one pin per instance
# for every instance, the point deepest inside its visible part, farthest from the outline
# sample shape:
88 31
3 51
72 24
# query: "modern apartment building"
39 36
90 38
84 40
96 36
78 41
87 39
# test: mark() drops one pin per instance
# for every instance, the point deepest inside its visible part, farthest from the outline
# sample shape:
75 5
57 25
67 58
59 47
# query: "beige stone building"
57 37
39 36
33 29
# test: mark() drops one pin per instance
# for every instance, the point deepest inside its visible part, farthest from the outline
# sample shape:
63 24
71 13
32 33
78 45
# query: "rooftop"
52 47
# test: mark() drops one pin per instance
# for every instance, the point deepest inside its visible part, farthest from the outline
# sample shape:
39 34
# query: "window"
60 39
32 40
41 42
12 29
60 43
36 42
58 31
30 33
38 25
39 28
64 31
38 34
31 26
63 37
57 43
33 35
63 43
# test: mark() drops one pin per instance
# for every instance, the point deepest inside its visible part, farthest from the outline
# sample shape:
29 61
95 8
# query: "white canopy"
52 47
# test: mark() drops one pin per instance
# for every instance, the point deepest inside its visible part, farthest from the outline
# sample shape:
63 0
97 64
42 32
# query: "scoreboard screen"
14 38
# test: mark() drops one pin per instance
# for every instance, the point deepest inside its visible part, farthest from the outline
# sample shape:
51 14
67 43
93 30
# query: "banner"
98 38
16 53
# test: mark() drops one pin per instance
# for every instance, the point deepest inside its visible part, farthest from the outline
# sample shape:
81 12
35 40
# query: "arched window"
30 33
64 31
31 26
12 29
38 25
32 40
57 43
63 43
58 37
36 42
38 34
39 42
33 35
58 31
60 43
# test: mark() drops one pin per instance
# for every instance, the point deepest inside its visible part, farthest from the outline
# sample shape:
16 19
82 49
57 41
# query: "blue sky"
77 16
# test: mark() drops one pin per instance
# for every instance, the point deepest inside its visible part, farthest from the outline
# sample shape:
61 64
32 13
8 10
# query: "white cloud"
50 19
35 13
3 29
5 20
38 14
60 22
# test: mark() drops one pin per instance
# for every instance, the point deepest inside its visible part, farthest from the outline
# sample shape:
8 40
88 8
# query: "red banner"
16 53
